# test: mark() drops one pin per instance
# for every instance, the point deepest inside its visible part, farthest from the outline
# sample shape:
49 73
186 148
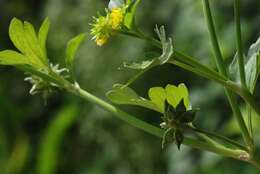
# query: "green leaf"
42 36
175 94
183 90
16 34
9 57
32 41
71 50
130 14
252 68
158 96
121 94
23 38
252 72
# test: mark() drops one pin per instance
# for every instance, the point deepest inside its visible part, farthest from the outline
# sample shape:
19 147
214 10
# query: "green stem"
220 137
237 154
221 150
239 43
222 69
193 62
207 139
213 36
199 72
117 112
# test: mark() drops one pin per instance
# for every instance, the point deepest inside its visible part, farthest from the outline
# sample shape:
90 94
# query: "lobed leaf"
158 96
175 94
121 94
24 39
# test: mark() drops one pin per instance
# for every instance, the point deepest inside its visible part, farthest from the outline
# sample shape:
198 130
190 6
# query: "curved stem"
239 43
222 69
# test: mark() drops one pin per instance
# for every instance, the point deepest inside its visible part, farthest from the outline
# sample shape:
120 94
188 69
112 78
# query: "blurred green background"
71 136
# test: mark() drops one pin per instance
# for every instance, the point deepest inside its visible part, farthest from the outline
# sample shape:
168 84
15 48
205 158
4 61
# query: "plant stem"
220 137
218 149
222 69
199 72
119 113
214 41
221 150
193 62
239 43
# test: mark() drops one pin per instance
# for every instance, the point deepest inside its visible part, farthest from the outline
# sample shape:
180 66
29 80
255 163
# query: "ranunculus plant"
171 101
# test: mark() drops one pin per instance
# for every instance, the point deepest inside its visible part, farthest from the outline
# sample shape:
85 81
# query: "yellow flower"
101 40
116 18
103 26
101 30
